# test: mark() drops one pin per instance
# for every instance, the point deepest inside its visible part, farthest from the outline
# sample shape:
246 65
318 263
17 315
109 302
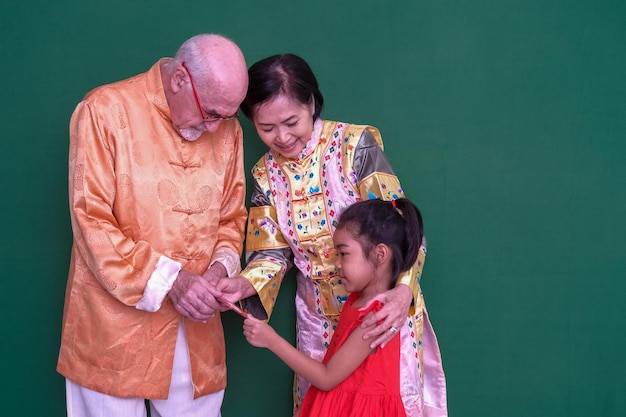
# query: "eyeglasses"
206 118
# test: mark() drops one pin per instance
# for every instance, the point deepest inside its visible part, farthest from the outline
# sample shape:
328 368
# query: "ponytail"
414 230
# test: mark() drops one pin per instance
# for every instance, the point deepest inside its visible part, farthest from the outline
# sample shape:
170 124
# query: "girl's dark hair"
375 221
286 74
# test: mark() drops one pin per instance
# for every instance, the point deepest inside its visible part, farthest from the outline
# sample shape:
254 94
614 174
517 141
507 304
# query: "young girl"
375 240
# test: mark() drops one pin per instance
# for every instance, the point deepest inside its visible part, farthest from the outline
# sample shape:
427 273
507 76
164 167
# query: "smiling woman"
284 124
314 169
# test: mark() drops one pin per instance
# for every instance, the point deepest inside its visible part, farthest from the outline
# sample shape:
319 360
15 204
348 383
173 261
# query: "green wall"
505 120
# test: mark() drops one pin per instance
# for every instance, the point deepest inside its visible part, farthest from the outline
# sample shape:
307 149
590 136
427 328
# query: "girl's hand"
391 318
258 333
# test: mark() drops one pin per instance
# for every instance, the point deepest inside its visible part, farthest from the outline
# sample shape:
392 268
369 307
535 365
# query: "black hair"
397 224
281 74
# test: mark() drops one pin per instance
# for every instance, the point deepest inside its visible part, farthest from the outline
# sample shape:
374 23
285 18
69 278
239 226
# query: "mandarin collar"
156 92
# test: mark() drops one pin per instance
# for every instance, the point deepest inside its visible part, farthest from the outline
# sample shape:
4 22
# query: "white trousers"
83 402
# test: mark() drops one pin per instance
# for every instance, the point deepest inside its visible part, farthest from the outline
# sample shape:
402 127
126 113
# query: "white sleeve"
159 284
229 259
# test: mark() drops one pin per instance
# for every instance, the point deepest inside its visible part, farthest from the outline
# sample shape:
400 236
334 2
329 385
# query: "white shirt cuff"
229 259
159 284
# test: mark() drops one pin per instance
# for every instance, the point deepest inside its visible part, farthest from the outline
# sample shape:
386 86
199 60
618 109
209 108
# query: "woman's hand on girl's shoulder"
389 319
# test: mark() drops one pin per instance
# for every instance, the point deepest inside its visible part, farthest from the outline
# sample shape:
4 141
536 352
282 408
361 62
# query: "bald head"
217 65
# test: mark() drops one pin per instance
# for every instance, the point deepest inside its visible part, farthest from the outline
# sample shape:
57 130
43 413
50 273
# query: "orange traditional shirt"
140 194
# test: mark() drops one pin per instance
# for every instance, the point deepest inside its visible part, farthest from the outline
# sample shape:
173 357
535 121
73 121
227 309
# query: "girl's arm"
324 376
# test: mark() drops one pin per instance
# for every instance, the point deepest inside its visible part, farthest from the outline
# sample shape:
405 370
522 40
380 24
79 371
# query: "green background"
505 120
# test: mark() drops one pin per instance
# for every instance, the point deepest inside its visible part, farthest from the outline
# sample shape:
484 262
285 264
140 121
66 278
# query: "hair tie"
395 207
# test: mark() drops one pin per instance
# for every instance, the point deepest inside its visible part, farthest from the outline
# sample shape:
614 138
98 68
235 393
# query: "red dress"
372 390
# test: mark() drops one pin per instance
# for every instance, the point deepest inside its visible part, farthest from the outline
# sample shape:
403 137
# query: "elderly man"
156 184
